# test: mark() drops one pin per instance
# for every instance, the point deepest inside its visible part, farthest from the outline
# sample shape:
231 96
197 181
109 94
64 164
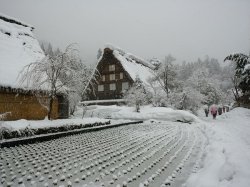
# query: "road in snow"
148 154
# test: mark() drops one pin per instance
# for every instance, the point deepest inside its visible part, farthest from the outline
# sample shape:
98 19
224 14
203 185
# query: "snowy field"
205 153
148 154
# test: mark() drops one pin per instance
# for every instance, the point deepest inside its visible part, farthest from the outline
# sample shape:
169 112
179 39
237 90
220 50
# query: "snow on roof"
14 20
18 47
134 65
156 62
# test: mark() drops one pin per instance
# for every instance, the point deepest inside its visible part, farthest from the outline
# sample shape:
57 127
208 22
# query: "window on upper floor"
112 67
121 75
100 88
111 77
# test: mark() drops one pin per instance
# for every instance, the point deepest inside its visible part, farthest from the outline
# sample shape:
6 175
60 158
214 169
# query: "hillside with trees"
191 85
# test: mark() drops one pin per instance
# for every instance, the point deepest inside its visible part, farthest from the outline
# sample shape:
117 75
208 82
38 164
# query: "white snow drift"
146 113
227 155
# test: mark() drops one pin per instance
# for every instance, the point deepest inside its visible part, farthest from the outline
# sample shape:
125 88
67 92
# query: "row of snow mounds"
127 156
157 113
18 48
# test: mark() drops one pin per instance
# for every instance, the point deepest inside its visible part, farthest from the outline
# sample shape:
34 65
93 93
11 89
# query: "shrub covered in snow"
9 130
137 95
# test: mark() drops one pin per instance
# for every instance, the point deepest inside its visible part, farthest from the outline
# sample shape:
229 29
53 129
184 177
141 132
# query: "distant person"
213 111
219 110
206 111
223 109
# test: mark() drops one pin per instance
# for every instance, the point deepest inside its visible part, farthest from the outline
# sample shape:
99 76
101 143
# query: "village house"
117 71
18 47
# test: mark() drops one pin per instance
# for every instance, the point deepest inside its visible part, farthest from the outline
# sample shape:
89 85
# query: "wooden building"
18 47
117 71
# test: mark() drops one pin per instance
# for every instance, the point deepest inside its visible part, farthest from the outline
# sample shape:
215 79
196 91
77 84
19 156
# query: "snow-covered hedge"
157 113
146 113
24 128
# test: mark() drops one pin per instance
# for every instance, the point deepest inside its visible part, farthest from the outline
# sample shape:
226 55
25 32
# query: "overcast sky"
187 29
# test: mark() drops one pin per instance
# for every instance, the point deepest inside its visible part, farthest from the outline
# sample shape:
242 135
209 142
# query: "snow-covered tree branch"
57 73
137 94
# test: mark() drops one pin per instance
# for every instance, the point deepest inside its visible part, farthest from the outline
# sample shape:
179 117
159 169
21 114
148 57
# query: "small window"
124 85
121 75
112 86
112 67
100 88
103 78
112 77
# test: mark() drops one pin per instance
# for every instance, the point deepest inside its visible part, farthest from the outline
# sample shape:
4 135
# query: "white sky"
187 29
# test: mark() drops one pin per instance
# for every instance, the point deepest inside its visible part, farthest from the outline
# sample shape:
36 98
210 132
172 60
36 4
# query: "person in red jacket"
213 110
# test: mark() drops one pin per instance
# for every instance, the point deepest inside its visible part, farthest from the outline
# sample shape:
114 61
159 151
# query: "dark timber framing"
121 77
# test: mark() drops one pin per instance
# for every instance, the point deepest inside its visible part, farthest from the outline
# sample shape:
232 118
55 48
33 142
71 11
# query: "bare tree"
59 73
85 77
165 74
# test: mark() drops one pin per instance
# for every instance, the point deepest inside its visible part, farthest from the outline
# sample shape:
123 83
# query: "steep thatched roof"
18 47
133 65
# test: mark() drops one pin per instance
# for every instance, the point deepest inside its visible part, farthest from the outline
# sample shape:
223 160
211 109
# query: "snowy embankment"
227 156
23 128
146 113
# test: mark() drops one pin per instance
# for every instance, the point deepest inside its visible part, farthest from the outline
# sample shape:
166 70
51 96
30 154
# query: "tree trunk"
72 110
50 107
137 106
84 110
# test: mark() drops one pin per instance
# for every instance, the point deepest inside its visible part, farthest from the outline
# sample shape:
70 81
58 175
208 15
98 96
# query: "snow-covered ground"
146 113
96 115
226 159
26 128
35 124
159 152
151 154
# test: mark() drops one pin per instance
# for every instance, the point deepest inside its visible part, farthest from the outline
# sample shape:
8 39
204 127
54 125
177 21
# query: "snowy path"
149 154
227 156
